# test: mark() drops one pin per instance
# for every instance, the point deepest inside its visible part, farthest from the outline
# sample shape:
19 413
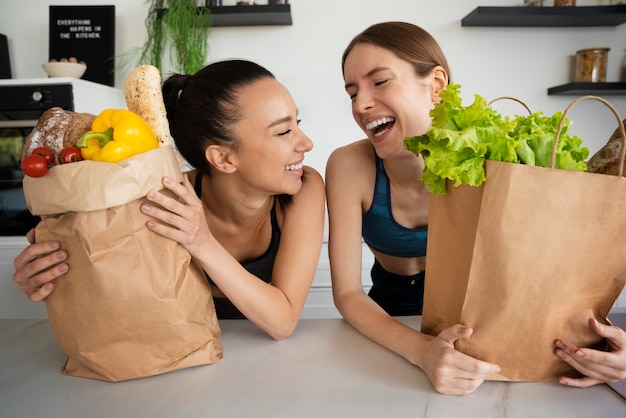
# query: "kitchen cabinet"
256 15
555 17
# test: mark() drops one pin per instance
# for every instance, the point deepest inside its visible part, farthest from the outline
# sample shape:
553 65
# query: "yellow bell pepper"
116 134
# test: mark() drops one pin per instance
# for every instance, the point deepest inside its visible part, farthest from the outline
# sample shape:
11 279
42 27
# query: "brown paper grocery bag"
524 259
133 303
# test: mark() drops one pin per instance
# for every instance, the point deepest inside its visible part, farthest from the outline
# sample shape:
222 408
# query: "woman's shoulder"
312 184
311 172
357 155
312 177
357 148
310 198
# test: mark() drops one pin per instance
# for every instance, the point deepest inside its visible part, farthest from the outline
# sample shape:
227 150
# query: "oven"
22 102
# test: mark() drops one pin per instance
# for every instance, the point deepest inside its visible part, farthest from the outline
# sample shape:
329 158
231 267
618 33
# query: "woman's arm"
275 308
347 179
450 371
298 255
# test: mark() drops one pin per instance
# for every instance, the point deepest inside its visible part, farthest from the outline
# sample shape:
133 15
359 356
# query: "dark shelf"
546 16
262 14
257 15
612 88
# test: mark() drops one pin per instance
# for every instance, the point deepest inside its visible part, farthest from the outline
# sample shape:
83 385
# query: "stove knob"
37 96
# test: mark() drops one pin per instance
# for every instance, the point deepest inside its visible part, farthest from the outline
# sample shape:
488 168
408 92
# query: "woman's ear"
221 157
439 82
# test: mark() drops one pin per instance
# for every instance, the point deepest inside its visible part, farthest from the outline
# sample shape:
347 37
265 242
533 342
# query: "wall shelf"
257 15
612 88
555 17
546 16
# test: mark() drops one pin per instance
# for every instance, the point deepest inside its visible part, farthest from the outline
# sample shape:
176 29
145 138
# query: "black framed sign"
88 34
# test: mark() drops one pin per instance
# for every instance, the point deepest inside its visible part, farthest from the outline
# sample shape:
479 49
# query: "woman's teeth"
293 167
376 123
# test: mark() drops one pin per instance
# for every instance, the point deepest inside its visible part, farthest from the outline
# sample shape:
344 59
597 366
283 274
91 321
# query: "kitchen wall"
492 62
520 62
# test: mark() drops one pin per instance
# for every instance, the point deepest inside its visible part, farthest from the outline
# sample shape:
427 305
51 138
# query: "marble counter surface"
325 369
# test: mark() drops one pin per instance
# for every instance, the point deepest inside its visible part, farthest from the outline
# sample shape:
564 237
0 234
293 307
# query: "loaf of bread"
142 91
57 129
607 159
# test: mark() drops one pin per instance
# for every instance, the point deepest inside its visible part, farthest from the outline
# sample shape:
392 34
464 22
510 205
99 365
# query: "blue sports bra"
381 232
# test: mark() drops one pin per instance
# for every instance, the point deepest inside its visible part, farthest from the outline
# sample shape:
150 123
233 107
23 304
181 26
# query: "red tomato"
46 153
70 155
34 166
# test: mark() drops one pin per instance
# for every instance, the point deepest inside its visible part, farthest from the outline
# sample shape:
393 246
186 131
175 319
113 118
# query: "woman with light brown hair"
393 73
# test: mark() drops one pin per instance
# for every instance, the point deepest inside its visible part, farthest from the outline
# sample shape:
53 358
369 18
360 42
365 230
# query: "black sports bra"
261 266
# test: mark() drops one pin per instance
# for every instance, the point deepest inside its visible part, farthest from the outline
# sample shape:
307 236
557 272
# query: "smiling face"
271 145
389 101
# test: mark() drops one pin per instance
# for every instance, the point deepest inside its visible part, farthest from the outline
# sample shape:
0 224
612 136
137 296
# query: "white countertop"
49 80
325 369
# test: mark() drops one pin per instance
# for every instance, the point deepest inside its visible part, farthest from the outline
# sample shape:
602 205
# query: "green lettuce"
461 138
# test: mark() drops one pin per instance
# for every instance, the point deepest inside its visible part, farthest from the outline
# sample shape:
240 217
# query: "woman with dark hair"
250 213
393 73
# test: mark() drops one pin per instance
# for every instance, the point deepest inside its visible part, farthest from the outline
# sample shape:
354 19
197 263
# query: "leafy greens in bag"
461 138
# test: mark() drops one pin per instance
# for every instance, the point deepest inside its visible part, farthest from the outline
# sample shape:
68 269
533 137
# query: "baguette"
142 91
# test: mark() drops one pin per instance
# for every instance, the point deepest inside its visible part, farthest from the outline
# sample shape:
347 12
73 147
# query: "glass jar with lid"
591 65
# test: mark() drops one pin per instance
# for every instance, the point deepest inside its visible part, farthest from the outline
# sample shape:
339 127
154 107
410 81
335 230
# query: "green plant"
180 27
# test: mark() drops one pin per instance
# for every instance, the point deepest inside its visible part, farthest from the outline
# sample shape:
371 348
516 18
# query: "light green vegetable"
463 137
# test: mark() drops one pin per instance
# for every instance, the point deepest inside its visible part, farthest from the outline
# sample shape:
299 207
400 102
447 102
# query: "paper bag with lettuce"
133 303
524 245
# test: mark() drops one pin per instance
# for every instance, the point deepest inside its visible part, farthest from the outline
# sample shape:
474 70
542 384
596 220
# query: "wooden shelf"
546 16
257 15
578 89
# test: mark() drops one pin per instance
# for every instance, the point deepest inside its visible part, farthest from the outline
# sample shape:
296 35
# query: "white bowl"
65 69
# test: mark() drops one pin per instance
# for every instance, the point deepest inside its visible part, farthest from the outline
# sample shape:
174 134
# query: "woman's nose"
304 143
363 101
